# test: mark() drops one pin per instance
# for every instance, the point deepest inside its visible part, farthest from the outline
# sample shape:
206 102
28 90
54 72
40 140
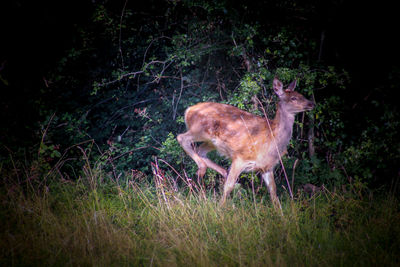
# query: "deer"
253 143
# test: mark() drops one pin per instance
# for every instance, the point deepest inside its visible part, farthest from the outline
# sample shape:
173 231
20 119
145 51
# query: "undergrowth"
95 221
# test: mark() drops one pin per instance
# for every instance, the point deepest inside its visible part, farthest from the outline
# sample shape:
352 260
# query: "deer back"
232 131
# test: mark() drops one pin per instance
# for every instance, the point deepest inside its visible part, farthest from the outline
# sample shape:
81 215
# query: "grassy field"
87 222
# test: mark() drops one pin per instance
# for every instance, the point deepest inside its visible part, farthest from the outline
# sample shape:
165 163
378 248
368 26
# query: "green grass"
74 224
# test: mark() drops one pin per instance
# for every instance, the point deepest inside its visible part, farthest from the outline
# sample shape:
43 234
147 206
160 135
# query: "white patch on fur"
248 166
267 177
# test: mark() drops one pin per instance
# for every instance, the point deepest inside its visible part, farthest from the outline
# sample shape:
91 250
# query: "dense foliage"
92 97
122 86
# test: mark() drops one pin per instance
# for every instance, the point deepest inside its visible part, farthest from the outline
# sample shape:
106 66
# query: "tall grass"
90 222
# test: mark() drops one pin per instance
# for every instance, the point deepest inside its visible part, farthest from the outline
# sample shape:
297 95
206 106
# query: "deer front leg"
270 182
235 170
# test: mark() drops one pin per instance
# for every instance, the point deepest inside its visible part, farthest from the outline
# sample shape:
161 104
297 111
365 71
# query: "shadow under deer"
253 143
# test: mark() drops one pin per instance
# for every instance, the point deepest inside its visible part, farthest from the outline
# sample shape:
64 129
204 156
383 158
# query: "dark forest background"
118 75
92 97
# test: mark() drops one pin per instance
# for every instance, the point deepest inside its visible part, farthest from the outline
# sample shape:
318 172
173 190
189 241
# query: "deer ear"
292 85
278 87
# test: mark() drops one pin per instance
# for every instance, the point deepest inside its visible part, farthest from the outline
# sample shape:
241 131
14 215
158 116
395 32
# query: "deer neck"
282 127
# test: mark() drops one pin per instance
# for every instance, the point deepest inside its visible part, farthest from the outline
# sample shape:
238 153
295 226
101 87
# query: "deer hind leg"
270 182
202 151
234 171
186 140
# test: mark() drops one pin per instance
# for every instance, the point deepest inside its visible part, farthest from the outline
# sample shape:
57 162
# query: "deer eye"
293 98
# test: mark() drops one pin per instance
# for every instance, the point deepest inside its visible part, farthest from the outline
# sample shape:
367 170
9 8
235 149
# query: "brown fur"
253 143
